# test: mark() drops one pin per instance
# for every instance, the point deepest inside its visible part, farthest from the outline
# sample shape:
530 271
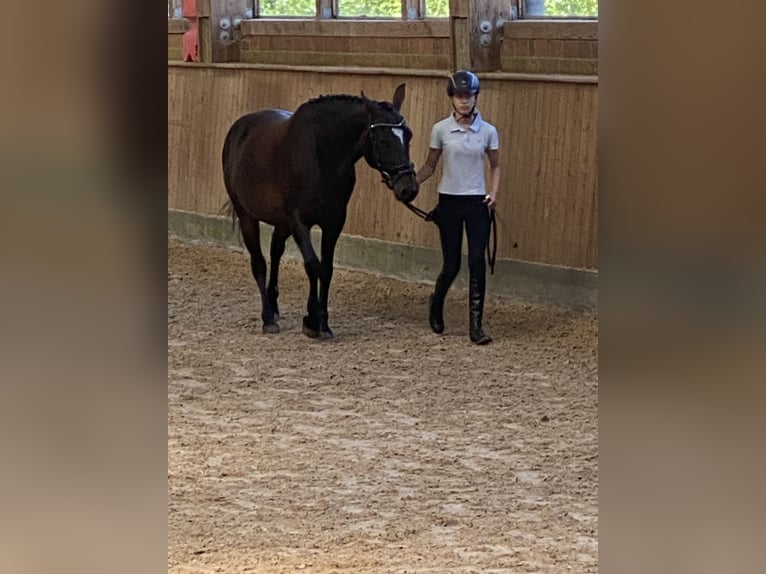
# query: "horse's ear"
398 97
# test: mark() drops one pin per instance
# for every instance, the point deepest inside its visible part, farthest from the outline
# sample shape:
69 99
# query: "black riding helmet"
462 81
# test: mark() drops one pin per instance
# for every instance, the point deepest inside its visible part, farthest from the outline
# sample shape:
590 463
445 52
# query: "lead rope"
491 249
492 254
425 215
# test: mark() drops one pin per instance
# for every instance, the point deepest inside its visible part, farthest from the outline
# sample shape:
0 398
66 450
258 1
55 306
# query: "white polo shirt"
463 150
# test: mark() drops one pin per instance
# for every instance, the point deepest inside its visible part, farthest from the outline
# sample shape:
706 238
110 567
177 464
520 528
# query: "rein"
491 249
425 215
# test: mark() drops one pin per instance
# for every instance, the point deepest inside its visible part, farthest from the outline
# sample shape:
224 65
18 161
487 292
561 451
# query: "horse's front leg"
313 267
330 236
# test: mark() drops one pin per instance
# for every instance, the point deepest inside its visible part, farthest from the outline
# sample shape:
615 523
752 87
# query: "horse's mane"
335 98
340 98
328 114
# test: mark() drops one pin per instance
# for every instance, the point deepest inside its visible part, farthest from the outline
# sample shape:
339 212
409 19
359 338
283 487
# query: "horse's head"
388 146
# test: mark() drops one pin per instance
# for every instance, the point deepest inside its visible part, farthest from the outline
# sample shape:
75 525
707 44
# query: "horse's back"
254 165
255 120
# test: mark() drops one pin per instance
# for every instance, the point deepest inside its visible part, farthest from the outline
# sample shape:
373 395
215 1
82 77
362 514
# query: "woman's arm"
494 172
428 168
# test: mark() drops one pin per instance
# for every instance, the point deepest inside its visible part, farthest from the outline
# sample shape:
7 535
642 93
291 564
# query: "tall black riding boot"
476 311
436 305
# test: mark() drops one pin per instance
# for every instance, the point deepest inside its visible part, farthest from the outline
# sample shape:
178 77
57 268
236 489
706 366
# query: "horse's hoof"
309 332
326 334
270 329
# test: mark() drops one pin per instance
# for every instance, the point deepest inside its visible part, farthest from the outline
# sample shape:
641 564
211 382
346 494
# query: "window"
370 8
305 8
175 9
389 9
437 8
393 9
560 9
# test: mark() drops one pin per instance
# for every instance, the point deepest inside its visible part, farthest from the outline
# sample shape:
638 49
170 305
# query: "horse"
297 170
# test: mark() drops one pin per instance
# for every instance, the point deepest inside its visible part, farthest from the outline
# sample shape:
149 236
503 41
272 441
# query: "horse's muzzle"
403 183
407 193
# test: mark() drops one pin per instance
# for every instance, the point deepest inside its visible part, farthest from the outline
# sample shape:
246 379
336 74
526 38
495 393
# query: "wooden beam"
458 8
461 43
203 8
477 29
205 48
486 22
178 26
325 9
536 29
226 17
399 72
413 9
366 28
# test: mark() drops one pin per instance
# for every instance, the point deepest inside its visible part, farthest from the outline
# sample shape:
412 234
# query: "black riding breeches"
453 213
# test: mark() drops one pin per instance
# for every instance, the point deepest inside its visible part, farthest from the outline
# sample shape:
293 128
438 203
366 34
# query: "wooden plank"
324 58
178 26
203 8
378 48
205 44
553 67
570 30
461 40
383 71
410 52
381 28
175 47
458 8
552 78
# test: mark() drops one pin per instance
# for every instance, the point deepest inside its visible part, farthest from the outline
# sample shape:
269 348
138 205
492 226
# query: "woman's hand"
494 168
429 166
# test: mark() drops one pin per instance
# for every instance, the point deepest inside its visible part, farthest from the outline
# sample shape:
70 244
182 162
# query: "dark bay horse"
294 171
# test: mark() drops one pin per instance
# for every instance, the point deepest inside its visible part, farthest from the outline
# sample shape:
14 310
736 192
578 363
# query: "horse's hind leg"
251 234
278 239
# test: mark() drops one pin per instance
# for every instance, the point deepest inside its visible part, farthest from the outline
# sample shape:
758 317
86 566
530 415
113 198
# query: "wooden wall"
418 44
538 46
548 207
529 46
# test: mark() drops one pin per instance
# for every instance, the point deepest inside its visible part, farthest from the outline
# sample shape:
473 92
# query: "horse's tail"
228 209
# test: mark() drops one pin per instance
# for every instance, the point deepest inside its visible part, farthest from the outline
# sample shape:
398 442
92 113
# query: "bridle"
390 174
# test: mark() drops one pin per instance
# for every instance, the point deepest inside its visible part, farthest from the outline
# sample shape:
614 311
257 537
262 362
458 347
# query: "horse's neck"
340 136
343 128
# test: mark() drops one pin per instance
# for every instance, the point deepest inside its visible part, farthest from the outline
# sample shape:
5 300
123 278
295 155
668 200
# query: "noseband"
390 174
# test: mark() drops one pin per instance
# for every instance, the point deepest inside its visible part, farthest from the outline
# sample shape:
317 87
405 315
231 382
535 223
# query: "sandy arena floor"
386 449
